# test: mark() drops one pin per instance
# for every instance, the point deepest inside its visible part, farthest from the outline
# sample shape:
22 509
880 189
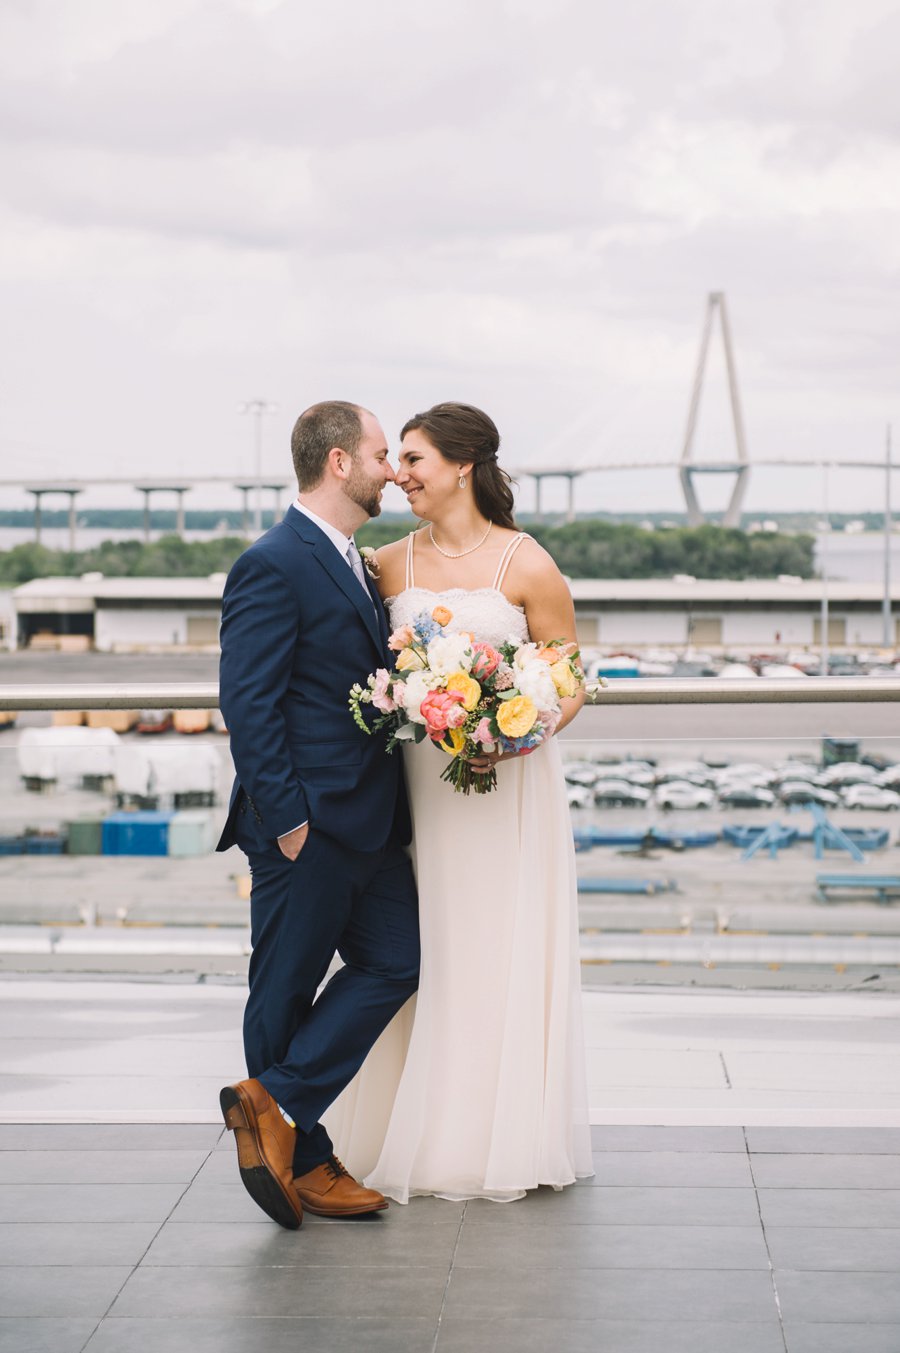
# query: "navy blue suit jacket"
297 632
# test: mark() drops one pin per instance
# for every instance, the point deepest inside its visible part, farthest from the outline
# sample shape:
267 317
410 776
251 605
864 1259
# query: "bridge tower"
740 466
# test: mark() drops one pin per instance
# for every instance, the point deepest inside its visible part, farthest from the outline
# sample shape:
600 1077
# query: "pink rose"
381 699
442 710
401 638
486 662
484 735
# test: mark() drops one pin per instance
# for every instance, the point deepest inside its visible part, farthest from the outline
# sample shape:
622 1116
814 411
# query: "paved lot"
746 1195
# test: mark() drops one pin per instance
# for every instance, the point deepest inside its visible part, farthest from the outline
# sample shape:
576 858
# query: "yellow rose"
467 686
454 742
564 679
516 717
408 660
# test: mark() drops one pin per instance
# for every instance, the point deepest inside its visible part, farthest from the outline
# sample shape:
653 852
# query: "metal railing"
628 691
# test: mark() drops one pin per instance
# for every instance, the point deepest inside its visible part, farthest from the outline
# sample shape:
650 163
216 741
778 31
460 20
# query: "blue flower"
426 629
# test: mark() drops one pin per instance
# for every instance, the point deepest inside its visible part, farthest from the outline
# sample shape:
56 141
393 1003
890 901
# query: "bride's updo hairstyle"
466 436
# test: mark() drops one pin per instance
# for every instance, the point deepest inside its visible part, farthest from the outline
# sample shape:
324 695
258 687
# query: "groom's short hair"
319 428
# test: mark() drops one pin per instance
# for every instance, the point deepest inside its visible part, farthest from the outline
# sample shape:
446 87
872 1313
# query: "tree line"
582 549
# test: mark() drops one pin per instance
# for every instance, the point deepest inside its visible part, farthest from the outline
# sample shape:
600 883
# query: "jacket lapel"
341 574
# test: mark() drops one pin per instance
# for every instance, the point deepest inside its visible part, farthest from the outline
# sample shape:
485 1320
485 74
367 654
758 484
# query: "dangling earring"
462 481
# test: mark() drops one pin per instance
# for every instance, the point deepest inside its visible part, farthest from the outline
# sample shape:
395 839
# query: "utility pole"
823 621
258 408
888 635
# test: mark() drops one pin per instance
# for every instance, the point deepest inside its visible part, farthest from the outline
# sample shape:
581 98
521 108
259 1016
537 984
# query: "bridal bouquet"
467 697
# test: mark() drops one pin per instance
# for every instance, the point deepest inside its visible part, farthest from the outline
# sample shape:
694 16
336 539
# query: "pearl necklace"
471 550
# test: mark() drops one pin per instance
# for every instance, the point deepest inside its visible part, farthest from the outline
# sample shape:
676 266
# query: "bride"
477 1088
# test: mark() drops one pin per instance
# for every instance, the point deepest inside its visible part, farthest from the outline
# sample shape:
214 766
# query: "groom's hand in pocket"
293 842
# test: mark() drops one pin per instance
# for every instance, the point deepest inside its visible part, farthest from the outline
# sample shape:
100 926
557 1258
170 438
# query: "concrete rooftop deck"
746 1197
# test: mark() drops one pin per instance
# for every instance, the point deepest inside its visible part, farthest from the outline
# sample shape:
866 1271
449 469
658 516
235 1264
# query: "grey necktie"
354 559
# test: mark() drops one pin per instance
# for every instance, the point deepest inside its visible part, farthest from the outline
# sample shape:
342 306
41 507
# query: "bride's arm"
549 608
538 586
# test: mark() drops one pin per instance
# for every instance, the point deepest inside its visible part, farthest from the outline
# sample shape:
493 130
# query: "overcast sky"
518 203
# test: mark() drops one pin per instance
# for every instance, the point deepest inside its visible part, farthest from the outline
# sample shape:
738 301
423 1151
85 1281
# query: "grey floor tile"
459 1335
87 1202
702 1139
224 1203
825 1140
591 1294
830 1207
29 1244
99 1167
847 1298
835 1338
826 1172
286 1335
306 1290
37 1334
379 1240
109 1136
608 1247
622 1206
59 1291
859 1249
679 1169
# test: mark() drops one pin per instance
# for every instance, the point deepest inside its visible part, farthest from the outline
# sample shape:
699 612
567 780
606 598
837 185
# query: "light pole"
888 636
258 408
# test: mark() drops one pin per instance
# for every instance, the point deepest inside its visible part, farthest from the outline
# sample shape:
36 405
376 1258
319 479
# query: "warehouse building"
130 614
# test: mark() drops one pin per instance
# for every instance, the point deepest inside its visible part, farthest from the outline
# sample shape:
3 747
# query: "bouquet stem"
465 780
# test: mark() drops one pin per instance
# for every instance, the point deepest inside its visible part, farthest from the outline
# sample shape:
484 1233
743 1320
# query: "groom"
321 813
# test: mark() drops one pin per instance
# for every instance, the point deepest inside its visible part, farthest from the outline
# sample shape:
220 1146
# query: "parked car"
685 772
635 772
746 796
870 796
684 794
847 773
889 778
793 771
801 791
580 772
746 772
621 793
579 796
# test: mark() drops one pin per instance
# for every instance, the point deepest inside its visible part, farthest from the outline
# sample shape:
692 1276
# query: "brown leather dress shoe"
330 1191
265 1147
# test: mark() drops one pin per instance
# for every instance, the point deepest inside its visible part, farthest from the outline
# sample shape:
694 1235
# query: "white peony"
450 653
535 681
417 686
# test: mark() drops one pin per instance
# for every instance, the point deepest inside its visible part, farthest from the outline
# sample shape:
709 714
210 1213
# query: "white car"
793 771
743 795
684 794
621 792
870 796
635 772
745 773
802 791
579 796
847 773
580 772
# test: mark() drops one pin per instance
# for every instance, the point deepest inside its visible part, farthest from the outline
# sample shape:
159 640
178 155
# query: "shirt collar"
337 538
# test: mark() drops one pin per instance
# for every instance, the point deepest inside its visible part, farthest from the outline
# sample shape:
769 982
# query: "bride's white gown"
477 1088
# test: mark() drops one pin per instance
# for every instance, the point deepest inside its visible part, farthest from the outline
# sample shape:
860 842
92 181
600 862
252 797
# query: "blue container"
44 845
12 845
141 833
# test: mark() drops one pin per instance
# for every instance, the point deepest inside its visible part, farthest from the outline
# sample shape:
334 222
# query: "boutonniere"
367 555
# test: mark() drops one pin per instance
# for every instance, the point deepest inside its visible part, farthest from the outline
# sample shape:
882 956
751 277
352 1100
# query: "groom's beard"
363 491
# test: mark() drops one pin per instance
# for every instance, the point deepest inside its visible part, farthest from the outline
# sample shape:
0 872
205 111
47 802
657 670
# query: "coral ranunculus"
516 716
486 661
442 710
468 689
441 616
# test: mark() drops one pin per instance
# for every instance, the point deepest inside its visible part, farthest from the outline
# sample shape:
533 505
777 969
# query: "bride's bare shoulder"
391 563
